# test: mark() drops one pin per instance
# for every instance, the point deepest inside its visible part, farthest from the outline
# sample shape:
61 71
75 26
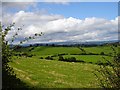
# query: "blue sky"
108 10
81 10
80 21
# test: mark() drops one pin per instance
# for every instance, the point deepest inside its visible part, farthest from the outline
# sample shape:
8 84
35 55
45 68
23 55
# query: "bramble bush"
9 79
110 73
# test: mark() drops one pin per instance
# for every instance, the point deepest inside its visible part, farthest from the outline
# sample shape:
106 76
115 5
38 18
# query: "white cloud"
29 18
58 28
65 2
60 0
19 0
18 5
34 17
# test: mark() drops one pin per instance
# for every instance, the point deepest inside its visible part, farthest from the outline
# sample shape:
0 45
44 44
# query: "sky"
62 21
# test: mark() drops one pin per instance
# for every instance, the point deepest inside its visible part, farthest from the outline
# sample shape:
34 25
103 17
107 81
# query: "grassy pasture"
42 73
90 58
43 51
48 50
99 49
54 74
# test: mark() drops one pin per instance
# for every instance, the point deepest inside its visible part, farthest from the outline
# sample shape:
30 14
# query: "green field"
55 74
43 50
42 73
90 58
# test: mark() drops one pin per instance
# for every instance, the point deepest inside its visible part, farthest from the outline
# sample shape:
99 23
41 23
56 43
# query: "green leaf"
21 42
36 34
30 37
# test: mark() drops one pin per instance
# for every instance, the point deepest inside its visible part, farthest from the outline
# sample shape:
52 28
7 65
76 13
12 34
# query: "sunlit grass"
54 74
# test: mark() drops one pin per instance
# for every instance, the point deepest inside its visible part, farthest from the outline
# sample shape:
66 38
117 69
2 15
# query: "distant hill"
70 43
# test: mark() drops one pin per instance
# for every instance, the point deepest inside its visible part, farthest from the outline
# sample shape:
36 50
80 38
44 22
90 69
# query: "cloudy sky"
62 21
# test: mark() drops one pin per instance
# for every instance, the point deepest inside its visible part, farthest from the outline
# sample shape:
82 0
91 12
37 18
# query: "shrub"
29 55
103 63
75 54
24 54
61 58
49 58
90 62
82 61
54 55
63 54
41 57
9 78
100 63
110 54
31 49
71 59
102 53
83 53
93 53
110 75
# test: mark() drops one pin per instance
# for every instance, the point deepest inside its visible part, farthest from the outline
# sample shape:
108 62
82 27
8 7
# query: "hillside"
41 66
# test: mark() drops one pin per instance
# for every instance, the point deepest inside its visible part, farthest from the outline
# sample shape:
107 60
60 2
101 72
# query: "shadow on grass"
11 82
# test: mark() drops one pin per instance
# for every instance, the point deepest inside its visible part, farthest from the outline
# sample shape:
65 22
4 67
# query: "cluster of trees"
70 59
73 45
64 45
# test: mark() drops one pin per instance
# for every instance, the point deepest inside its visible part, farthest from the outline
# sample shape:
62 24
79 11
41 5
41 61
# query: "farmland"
32 66
54 74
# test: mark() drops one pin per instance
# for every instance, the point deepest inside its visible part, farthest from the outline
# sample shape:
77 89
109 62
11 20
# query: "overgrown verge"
110 75
9 79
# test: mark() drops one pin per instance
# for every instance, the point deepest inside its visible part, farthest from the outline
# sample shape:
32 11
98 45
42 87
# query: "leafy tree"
110 75
9 79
